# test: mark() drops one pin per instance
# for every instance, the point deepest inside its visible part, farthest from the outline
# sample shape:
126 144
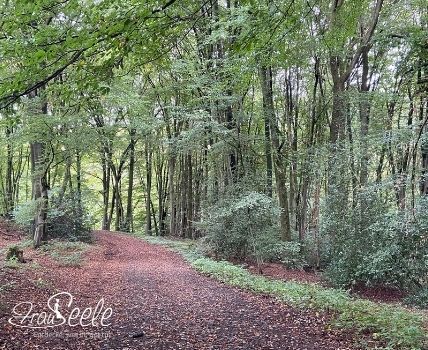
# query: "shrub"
316 249
24 214
243 225
418 298
288 253
67 219
377 245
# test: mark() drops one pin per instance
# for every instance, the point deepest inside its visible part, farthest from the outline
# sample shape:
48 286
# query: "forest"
255 133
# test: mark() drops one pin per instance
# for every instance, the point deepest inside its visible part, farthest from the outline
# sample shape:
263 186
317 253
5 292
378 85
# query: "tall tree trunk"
148 189
183 196
189 189
40 191
9 188
129 208
172 197
303 196
231 125
79 181
268 154
424 150
354 178
66 180
280 177
337 179
106 190
118 207
364 117
338 116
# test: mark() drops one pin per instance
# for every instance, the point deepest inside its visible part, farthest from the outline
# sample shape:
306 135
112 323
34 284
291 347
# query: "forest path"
160 302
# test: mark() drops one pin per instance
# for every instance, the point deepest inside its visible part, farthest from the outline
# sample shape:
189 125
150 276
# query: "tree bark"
268 154
40 192
129 208
79 181
265 74
148 155
364 117
106 189
172 198
9 188
424 152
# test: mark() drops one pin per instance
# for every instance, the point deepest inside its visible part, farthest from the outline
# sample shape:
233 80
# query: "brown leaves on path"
158 302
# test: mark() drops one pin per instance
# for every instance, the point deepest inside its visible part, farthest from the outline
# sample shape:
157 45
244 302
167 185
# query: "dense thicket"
288 130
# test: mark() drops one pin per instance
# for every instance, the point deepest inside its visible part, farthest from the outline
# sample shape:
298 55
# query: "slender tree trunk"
9 188
379 168
106 190
79 181
231 125
40 192
183 197
303 201
354 178
424 154
172 198
364 118
18 174
189 189
280 176
118 207
66 180
268 154
129 212
148 189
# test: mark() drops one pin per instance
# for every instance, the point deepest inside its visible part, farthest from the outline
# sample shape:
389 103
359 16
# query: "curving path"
160 302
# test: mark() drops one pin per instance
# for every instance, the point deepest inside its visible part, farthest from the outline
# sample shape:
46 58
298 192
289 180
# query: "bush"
243 225
419 298
288 253
67 219
24 214
376 245
316 249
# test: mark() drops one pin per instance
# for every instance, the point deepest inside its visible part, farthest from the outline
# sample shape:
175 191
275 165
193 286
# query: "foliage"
243 225
418 298
377 245
12 263
25 212
289 254
65 252
68 219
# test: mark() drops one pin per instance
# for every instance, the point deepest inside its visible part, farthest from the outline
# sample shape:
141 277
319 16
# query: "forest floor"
158 302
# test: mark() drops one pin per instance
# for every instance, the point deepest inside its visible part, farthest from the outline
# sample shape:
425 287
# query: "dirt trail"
160 302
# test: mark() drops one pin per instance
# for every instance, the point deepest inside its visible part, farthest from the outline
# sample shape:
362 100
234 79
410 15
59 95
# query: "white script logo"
61 313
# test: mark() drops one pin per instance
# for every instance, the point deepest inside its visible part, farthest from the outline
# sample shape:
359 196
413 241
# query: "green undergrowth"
66 253
394 326
13 263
